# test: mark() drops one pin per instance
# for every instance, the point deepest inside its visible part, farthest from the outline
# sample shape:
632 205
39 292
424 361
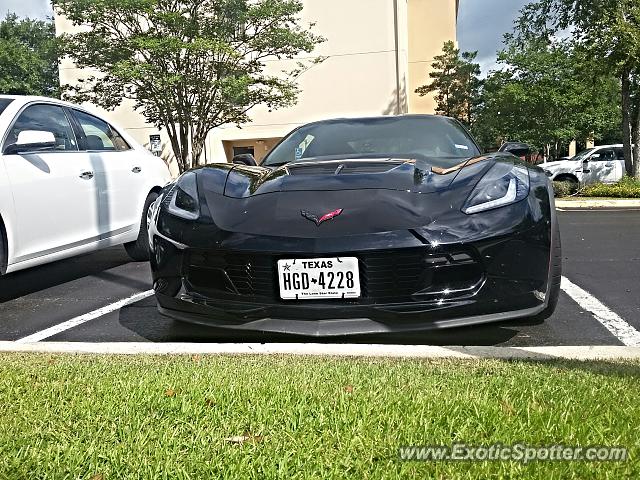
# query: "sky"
26 8
481 23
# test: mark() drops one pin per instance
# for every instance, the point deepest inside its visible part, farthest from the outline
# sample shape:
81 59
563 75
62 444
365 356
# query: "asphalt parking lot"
601 250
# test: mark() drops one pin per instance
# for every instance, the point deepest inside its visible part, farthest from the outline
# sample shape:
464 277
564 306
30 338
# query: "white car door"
54 191
121 180
620 167
602 166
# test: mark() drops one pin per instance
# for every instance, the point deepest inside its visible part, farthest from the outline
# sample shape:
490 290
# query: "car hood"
568 165
372 197
415 176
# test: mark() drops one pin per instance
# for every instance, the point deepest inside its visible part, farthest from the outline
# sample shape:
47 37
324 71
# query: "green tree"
609 31
28 57
188 65
546 93
455 79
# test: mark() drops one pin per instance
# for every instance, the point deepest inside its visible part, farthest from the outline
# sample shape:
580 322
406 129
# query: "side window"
46 118
619 153
606 155
98 135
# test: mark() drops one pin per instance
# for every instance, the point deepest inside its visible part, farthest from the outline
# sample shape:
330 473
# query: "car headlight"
184 201
503 184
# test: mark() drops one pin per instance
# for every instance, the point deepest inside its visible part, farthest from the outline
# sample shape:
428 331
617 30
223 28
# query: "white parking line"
74 322
624 332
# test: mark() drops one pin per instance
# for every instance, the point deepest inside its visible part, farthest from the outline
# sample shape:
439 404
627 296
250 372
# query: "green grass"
64 417
626 188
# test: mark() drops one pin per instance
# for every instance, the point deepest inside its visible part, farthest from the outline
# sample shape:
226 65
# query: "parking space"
600 250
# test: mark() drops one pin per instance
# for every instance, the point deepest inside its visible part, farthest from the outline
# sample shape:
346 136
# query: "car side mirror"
31 141
244 159
585 166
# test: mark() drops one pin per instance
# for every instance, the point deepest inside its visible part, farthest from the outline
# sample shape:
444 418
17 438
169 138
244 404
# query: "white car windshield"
583 154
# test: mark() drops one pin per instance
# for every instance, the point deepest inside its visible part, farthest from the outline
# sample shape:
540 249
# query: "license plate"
318 278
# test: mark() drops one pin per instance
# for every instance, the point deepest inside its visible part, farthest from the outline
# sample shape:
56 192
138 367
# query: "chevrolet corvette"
358 226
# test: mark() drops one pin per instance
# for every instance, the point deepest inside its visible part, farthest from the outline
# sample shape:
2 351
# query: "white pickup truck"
604 163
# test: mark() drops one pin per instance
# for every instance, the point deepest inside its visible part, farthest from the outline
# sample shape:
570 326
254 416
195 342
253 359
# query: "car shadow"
143 319
31 280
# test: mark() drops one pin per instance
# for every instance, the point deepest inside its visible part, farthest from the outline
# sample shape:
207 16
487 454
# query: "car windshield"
583 154
442 141
4 103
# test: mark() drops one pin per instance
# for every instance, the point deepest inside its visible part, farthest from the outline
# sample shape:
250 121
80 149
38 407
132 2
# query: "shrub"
564 189
626 188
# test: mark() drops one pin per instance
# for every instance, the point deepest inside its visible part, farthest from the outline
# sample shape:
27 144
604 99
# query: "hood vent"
342 168
339 175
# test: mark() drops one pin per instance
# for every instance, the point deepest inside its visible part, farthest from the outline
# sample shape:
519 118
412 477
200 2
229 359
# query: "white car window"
619 153
47 118
98 134
583 154
605 155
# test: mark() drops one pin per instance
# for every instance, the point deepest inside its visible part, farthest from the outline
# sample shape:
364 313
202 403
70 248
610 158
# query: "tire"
139 250
3 250
556 274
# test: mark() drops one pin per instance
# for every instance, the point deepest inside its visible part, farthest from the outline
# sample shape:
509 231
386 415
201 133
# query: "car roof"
375 118
24 99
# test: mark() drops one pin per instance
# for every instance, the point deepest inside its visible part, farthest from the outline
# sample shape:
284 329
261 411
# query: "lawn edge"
590 352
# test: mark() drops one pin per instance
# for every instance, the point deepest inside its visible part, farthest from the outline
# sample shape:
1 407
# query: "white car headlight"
184 201
504 184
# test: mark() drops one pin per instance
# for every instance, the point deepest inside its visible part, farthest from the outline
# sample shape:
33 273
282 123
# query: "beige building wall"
377 52
430 24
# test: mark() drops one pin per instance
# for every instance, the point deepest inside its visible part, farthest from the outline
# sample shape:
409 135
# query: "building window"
243 150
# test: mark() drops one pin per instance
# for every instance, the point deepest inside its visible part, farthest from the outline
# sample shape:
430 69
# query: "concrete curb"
599 203
339 350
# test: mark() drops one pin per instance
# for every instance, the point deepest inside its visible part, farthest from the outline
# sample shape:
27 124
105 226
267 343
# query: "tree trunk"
175 144
626 122
197 145
184 144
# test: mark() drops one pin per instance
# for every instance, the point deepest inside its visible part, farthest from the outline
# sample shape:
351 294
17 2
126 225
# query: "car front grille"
385 276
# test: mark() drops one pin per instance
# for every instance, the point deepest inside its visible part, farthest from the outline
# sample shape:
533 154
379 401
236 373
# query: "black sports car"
357 226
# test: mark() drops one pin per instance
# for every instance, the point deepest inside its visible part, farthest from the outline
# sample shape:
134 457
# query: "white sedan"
70 183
